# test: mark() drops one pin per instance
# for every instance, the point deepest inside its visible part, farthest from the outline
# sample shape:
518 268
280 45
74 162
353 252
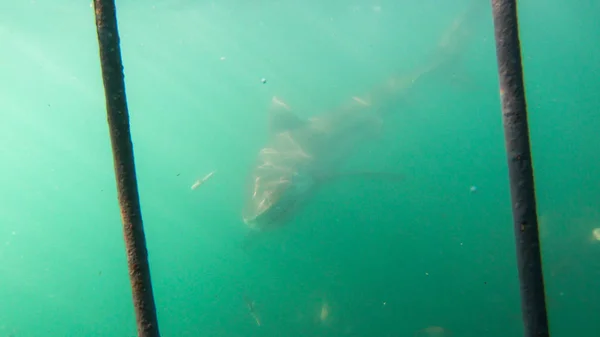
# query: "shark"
300 155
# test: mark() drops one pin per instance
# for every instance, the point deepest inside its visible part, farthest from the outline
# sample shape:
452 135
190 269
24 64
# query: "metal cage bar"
122 148
520 168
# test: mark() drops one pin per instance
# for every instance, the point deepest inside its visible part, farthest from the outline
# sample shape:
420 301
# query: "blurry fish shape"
324 312
251 310
201 181
433 331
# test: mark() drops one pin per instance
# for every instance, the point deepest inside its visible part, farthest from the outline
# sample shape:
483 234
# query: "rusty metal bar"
518 150
120 137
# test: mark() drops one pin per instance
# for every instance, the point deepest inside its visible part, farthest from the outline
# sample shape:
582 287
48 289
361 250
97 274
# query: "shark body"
300 154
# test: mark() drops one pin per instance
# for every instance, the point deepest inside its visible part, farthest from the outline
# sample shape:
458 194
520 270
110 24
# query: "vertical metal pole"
518 149
120 136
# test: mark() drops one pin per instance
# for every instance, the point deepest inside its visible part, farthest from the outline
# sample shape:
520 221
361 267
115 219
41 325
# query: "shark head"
274 196
299 153
282 176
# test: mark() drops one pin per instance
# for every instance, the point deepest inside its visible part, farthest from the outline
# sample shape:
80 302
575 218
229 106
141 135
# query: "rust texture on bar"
520 168
122 147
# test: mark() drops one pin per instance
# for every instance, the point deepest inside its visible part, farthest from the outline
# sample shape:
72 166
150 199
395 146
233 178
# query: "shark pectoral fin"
391 176
281 117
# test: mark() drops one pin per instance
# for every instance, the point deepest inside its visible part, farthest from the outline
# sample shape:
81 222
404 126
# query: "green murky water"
427 256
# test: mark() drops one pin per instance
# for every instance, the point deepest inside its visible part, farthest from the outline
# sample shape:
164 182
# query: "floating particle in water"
360 101
196 184
222 58
201 181
473 189
263 80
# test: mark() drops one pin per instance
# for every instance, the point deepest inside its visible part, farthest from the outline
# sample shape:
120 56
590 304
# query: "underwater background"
432 255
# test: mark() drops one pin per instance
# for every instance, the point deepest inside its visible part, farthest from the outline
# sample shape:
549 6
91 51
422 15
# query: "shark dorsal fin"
281 117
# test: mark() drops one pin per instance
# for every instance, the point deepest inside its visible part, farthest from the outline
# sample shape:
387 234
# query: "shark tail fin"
445 60
451 51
